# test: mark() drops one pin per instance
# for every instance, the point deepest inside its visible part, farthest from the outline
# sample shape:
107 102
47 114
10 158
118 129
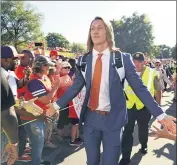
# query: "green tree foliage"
173 54
155 51
20 24
78 48
133 33
165 51
56 40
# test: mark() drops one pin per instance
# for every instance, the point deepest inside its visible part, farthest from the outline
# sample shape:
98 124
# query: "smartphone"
38 43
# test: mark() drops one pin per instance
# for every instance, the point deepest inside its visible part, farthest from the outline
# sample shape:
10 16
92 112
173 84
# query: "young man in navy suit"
104 110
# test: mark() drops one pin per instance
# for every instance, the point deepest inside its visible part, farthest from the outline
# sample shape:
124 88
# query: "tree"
20 24
78 48
133 33
56 40
155 51
173 54
165 51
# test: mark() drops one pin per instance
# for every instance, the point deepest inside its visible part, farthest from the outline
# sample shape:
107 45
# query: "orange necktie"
95 89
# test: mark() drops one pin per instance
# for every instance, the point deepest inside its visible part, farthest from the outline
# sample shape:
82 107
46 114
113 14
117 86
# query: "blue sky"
72 18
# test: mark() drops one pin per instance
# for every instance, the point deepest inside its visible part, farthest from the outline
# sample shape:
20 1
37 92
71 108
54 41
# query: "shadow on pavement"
160 152
136 159
171 154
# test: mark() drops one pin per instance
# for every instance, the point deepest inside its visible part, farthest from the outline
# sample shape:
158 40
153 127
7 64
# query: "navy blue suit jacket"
117 117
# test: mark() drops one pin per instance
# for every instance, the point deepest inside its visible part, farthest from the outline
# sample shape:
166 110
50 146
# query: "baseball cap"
139 56
66 64
53 53
9 52
42 60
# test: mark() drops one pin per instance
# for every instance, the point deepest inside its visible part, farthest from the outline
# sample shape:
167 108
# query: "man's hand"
51 110
43 44
32 108
12 153
160 133
164 133
64 82
168 121
27 72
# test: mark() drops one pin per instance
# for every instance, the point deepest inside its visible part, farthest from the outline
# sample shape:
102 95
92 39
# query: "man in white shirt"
104 109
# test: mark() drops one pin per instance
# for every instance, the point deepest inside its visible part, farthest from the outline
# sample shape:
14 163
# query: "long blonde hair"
109 35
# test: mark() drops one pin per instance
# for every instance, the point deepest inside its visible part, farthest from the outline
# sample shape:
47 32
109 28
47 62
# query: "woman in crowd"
64 120
39 86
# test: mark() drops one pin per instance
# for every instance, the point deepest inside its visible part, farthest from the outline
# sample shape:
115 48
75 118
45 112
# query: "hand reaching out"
12 153
51 110
168 121
162 133
32 108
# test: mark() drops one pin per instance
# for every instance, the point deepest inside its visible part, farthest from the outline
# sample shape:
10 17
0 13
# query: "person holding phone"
38 48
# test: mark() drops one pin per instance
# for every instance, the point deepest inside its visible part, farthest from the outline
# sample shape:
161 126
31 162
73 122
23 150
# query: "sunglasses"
66 67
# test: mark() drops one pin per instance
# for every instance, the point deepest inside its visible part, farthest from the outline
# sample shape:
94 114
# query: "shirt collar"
105 52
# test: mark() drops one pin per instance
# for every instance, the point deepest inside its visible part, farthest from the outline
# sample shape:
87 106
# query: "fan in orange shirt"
24 69
65 119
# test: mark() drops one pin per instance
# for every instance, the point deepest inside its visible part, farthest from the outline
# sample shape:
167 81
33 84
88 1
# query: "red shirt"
19 71
61 91
67 83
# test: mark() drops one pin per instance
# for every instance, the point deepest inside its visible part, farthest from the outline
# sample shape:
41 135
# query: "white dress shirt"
104 98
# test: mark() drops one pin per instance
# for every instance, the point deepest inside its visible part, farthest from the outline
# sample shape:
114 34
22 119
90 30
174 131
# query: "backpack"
117 63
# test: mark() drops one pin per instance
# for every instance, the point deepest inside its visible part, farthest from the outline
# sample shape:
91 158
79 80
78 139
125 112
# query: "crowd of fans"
32 74
45 78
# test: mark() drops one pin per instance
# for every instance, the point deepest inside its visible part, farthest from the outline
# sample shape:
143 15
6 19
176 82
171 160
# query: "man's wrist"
161 117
